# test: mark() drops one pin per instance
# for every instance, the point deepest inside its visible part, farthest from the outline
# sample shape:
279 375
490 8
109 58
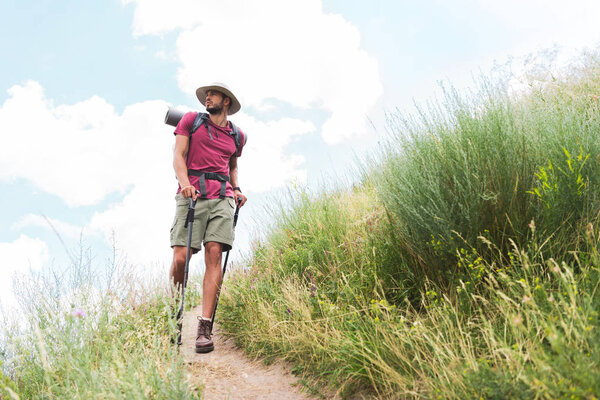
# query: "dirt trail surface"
227 373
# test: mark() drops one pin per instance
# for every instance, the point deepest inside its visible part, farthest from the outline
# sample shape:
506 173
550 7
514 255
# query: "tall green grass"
492 163
87 336
465 265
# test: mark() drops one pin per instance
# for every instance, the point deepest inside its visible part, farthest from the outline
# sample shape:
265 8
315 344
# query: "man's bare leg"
176 275
212 277
210 287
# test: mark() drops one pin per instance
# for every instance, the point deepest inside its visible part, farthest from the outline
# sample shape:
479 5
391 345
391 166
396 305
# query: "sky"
86 160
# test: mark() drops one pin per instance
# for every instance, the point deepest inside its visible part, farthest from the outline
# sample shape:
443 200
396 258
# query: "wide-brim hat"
235 105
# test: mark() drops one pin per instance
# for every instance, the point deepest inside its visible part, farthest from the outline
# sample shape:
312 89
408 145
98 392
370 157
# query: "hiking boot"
204 343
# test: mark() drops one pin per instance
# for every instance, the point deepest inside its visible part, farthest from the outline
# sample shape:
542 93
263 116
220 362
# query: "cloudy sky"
84 86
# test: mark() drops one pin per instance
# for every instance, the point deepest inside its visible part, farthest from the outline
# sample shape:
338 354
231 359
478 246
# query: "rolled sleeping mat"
173 116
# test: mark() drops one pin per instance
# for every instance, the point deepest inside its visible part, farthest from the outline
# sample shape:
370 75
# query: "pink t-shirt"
209 153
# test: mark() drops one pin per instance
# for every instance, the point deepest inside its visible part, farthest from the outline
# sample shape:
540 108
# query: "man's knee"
213 248
212 255
179 255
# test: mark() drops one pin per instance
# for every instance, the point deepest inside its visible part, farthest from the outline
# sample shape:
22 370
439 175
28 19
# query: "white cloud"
83 152
61 227
23 254
20 256
79 152
288 50
141 221
263 164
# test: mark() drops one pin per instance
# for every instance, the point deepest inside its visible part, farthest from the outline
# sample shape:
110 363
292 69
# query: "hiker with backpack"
207 147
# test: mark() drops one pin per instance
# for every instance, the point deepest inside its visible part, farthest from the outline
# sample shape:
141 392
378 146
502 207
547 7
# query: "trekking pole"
235 218
189 222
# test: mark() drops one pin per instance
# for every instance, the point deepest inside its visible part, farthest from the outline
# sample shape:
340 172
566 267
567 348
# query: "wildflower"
595 97
78 312
517 320
526 299
532 226
289 311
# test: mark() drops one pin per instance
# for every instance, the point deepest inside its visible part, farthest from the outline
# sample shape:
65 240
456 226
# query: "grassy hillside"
464 266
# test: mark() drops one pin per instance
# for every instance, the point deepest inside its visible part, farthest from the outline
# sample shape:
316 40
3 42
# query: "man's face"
214 102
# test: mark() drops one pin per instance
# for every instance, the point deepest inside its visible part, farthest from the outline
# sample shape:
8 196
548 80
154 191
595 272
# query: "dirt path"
227 373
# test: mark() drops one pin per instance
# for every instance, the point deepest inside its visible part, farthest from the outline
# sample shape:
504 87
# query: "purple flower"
312 280
289 311
78 312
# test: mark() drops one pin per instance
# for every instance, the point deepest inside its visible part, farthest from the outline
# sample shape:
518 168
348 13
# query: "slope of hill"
465 265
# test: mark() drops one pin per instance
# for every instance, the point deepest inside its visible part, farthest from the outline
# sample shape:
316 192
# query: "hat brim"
235 105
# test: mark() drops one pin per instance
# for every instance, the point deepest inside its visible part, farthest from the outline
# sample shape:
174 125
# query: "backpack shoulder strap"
199 120
237 136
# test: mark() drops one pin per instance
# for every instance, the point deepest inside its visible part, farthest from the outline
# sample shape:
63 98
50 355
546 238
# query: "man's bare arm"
233 178
180 167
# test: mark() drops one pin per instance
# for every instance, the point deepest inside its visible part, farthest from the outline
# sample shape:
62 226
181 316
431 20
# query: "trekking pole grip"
237 212
191 210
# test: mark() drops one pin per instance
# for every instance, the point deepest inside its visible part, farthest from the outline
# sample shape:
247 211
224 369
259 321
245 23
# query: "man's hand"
189 191
239 198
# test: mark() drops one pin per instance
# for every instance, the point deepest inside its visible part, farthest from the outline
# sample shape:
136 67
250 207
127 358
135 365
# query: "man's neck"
219 119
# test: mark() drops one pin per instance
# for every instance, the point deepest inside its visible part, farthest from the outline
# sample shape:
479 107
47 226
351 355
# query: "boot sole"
204 349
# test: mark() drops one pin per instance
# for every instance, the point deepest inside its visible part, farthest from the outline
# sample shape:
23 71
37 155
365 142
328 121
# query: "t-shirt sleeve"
185 124
244 139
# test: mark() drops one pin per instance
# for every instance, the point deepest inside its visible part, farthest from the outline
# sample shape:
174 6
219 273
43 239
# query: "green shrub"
489 164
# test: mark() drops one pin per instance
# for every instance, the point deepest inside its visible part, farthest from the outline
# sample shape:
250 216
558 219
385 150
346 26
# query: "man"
206 161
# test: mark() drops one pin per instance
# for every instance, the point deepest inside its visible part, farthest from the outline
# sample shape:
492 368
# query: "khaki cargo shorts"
213 222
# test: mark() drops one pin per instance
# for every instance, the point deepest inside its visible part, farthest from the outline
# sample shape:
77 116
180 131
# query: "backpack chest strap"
203 176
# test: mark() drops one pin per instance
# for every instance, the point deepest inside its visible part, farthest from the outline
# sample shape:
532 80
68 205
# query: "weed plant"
90 338
464 266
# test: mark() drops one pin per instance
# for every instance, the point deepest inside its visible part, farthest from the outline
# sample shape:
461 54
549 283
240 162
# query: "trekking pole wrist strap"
237 188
